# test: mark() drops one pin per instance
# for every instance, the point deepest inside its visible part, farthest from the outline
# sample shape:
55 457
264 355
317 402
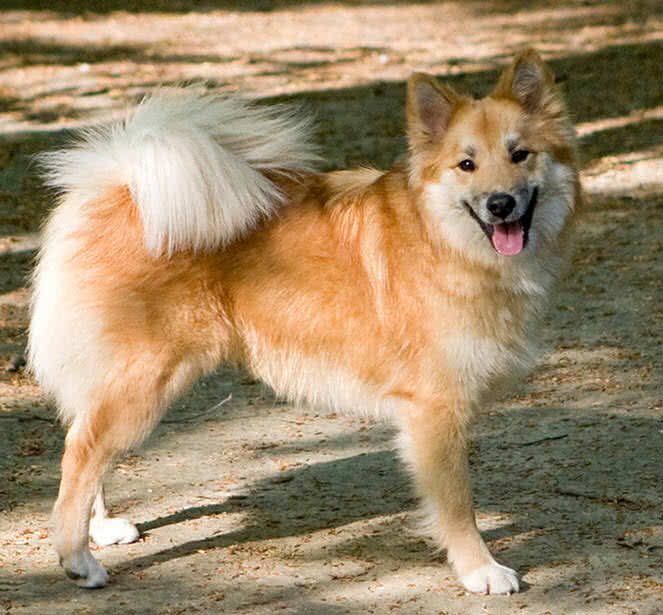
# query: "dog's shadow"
312 498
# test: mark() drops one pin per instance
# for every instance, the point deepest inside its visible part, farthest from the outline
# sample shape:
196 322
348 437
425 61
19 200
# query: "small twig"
540 440
24 419
600 498
188 419
576 493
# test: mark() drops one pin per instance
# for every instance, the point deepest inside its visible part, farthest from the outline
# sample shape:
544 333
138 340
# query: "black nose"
500 204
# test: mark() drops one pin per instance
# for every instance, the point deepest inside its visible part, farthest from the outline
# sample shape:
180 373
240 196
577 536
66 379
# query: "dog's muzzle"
507 238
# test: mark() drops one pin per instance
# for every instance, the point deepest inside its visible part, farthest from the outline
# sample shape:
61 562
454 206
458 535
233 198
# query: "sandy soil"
256 507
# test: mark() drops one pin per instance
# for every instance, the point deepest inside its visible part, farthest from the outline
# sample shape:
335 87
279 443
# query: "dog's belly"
320 382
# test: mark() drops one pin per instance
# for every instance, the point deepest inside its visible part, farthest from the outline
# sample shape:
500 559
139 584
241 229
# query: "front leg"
435 442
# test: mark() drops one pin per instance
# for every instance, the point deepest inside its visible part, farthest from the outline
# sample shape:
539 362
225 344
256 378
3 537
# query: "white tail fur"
194 167
193 164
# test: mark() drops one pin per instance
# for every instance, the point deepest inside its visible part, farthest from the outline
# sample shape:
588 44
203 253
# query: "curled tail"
193 163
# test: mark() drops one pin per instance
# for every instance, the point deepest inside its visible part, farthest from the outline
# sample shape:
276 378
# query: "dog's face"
489 171
496 173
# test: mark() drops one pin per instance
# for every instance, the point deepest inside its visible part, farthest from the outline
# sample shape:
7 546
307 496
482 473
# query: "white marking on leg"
491 579
105 530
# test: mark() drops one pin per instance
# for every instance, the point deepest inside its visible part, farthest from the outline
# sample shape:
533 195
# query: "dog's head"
497 174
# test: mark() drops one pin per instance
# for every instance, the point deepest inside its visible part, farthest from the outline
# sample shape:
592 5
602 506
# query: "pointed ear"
527 81
430 106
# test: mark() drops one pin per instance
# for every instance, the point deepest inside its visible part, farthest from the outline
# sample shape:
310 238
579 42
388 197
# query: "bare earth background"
256 507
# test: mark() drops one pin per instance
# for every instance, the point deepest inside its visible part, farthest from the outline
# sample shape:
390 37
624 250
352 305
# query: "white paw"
491 579
112 531
85 570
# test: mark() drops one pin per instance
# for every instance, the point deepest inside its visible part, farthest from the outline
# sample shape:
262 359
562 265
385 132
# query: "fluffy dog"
197 232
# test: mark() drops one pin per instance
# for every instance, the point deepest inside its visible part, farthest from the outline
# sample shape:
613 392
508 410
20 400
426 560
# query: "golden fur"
375 292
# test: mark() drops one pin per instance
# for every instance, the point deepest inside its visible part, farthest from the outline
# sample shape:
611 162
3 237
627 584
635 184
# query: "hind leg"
83 466
92 442
140 389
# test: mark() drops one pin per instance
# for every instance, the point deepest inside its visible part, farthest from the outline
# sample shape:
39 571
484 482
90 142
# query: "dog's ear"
430 106
527 80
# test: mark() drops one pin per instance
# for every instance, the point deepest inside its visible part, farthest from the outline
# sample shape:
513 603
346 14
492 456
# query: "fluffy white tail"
194 164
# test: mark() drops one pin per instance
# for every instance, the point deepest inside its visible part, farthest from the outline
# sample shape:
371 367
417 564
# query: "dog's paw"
491 579
112 531
85 570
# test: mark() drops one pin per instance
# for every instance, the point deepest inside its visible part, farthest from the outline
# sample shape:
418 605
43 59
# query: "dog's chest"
485 342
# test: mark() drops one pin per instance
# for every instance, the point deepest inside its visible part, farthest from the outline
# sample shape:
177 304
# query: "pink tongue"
508 238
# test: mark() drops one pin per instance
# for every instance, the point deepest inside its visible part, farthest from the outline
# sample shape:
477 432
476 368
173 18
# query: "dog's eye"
467 165
519 155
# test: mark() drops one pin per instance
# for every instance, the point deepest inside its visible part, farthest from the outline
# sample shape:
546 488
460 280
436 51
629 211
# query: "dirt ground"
254 506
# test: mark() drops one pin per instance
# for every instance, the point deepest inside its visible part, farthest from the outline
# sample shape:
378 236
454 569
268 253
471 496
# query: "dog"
198 231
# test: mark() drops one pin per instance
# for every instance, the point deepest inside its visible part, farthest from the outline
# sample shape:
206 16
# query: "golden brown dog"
196 232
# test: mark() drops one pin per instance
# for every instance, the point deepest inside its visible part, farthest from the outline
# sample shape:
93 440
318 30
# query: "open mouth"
508 238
